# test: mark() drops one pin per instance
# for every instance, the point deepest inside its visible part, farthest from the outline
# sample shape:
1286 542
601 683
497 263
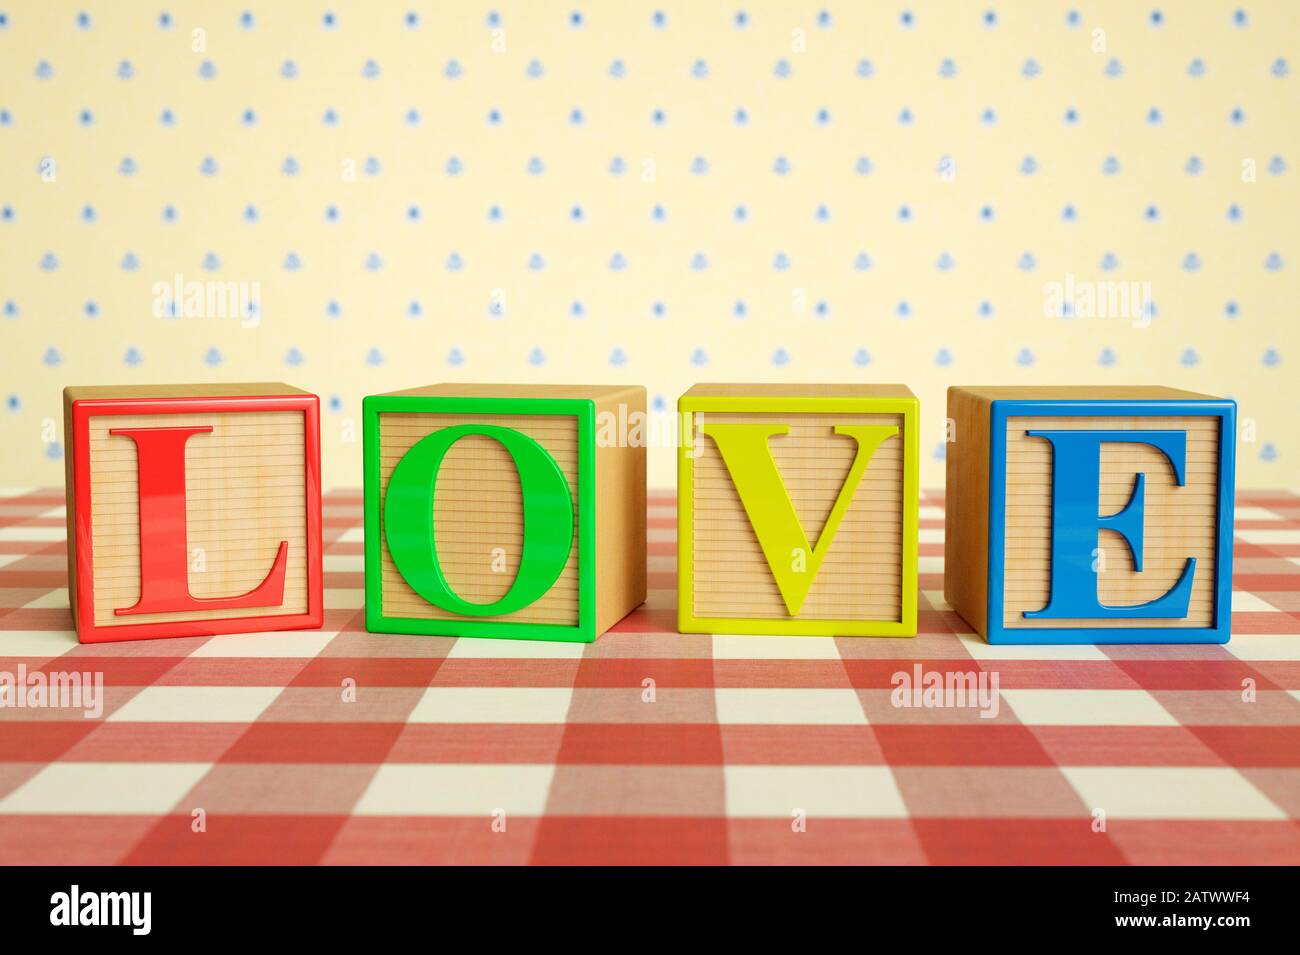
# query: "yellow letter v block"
766 470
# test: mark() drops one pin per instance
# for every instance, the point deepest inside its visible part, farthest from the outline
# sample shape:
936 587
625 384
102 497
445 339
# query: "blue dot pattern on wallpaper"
359 197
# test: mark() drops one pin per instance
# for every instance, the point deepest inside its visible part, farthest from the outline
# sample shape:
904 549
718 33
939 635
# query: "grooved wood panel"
1179 522
861 576
478 510
245 492
966 508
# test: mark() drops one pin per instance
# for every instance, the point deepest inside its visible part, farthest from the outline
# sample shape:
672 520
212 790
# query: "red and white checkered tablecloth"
751 750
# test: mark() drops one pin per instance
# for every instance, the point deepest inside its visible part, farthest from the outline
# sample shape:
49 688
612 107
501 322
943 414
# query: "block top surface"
1079 393
472 390
214 390
783 390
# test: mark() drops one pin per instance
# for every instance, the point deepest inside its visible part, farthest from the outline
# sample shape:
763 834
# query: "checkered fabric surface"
559 741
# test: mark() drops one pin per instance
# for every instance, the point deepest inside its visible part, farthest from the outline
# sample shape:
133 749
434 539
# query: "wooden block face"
449 536
478 514
245 492
861 575
795 480
1052 551
226 511
1180 521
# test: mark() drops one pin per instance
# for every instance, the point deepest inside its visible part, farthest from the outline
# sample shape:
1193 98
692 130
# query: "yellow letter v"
753 470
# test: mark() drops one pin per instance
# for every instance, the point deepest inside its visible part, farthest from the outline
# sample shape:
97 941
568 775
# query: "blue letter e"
1076 493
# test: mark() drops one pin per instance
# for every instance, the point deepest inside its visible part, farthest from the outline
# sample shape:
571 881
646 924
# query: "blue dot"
246 20
575 19
164 21
412 19
1157 18
329 20
83 21
907 19
990 18
741 19
659 19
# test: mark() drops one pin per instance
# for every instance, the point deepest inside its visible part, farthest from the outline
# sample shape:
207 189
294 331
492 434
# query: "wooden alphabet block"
797 510
505 510
192 510
1090 514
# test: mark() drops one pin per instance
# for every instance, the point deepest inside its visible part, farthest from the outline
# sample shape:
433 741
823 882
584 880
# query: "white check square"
819 791
789 706
196 704
112 788
457 789
1264 646
267 644
1170 792
58 597
36 643
1087 708
977 647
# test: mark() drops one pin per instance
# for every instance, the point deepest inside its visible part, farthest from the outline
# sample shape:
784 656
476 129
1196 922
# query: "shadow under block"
1090 514
192 510
505 510
797 510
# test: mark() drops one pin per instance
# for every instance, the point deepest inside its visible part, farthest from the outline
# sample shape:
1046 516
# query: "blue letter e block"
1076 494
1155 466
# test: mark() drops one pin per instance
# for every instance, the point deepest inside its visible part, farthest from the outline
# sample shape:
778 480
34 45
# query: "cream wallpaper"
360 197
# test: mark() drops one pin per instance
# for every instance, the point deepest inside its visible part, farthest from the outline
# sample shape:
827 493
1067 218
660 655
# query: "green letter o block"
548 520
